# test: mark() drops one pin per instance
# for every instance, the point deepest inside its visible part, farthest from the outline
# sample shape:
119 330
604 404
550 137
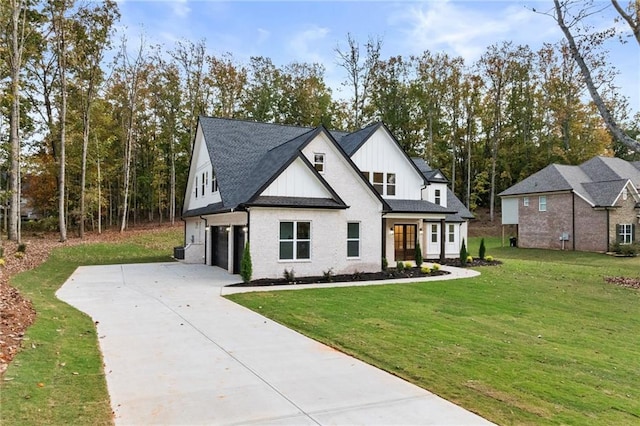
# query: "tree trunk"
609 121
83 173
172 208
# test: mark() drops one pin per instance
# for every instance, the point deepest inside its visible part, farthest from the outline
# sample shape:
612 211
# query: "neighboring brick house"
585 208
313 200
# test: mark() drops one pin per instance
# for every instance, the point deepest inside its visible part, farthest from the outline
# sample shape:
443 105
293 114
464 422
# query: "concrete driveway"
176 352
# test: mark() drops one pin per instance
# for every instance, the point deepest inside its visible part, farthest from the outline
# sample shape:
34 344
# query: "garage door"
220 246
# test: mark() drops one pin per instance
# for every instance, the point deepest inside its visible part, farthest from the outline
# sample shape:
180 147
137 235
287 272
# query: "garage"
220 246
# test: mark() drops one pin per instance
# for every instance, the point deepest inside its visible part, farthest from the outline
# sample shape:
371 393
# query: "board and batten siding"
297 180
380 153
200 163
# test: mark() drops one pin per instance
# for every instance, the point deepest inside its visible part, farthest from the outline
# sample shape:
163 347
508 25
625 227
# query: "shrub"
435 267
425 270
246 267
1 251
2 262
357 275
19 254
489 258
483 250
22 247
328 274
469 259
629 249
290 276
399 266
408 265
419 259
385 264
463 253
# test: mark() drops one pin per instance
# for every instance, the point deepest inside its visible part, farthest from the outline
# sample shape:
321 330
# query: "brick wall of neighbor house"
538 229
591 227
625 213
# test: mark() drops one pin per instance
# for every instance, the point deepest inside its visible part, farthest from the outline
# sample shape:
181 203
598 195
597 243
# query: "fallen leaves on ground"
624 281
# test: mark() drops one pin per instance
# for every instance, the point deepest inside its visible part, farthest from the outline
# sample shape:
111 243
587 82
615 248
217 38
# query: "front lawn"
57 378
542 339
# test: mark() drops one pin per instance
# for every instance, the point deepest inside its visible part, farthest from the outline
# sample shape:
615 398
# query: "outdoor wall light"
228 229
391 231
245 229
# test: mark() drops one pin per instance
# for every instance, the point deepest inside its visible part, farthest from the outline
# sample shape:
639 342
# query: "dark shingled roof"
211 208
598 180
297 202
417 206
351 142
429 173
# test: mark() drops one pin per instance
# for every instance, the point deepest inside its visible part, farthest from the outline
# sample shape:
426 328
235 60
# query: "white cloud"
180 8
306 45
467 28
263 35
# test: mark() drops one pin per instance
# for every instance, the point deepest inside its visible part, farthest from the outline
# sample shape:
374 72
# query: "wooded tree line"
103 142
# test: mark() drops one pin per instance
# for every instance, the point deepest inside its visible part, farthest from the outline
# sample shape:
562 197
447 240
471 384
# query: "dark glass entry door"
405 242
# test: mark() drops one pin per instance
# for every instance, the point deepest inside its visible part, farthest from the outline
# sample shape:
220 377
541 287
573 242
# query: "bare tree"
359 72
17 12
567 19
632 17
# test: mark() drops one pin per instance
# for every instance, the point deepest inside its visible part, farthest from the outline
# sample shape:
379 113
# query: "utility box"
178 253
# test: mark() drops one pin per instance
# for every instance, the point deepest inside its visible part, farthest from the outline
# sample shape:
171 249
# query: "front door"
405 242
220 246
238 248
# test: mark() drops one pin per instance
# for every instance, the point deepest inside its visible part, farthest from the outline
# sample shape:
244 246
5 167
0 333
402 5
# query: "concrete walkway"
175 352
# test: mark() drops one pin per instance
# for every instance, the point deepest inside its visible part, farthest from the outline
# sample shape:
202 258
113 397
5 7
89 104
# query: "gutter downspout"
573 219
383 241
442 237
205 239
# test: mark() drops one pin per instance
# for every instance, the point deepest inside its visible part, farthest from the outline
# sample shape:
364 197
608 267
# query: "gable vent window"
196 186
542 203
318 162
204 181
438 197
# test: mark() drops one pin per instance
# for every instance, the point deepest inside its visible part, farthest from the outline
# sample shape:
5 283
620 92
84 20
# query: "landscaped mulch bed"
624 281
358 276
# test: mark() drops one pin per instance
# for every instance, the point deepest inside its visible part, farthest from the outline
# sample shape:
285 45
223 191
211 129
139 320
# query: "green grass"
541 339
58 378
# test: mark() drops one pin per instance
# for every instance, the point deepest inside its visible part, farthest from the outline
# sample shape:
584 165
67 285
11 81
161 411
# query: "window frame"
434 231
354 239
378 185
214 181
319 165
295 241
437 196
525 201
542 203
625 236
196 186
451 233
390 183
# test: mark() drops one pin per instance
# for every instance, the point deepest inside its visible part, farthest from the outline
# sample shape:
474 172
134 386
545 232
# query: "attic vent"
438 176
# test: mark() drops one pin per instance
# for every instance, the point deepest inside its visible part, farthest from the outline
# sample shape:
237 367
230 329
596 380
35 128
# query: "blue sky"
309 31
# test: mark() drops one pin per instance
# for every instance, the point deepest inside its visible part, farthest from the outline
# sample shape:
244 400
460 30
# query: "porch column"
443 234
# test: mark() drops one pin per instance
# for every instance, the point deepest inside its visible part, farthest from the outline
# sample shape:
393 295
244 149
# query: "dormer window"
438 197
318 162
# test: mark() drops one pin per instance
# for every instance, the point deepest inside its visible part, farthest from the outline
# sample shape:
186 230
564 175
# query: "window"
625 194
196 186
205 181
437 196
434 233
366 175
353 239
525 201
542 203
625 233
452 233
378 182
391 184
295 240
318 162
214 181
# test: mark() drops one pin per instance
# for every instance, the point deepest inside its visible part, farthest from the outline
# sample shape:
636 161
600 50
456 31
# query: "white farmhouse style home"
310 199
